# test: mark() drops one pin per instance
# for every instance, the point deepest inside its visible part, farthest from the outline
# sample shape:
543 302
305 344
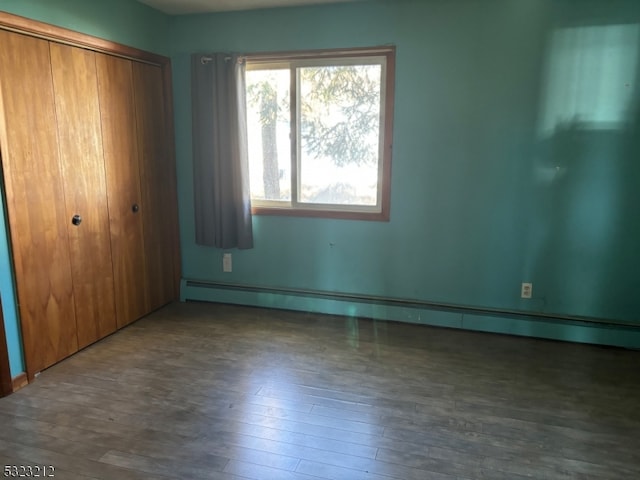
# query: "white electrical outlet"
526 290
227 265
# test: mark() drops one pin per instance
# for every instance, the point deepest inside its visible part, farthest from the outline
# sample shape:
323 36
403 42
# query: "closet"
89 177
83 182
115 78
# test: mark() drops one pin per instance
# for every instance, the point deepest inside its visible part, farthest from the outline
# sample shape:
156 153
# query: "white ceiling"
182 7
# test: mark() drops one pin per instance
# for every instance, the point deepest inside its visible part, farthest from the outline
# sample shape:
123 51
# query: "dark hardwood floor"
201 391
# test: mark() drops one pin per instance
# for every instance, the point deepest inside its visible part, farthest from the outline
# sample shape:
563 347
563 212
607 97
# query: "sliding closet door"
157 178
35 201
80 138
126 209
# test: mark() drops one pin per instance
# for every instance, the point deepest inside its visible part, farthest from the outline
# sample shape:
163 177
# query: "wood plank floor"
203 391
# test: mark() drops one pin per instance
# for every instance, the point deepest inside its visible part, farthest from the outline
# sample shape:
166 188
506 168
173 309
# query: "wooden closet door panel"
35 201
117 107
80 138
157 180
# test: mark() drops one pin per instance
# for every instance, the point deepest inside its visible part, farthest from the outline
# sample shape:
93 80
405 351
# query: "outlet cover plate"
227 265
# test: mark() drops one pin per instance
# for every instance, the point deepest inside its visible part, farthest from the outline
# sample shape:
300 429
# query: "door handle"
76 220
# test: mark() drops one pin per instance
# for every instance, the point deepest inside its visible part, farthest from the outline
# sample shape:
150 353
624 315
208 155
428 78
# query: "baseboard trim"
19 381
540 325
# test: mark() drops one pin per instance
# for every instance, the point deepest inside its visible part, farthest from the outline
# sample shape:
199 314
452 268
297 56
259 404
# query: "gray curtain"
221 172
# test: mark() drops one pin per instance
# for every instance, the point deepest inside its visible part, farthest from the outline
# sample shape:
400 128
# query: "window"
319 132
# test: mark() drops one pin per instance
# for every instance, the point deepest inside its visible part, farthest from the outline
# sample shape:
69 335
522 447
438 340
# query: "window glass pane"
339 134
268 131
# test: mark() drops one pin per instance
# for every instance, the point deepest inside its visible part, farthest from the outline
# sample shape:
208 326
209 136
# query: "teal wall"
515 159
123 21
7 295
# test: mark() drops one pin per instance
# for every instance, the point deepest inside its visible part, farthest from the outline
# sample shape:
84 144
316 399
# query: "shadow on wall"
585 227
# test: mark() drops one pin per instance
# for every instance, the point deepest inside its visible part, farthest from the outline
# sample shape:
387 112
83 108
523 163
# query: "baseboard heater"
411 303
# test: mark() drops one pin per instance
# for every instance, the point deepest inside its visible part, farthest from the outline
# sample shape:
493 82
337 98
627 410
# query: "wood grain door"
35 201
157 180
80 138
126 207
